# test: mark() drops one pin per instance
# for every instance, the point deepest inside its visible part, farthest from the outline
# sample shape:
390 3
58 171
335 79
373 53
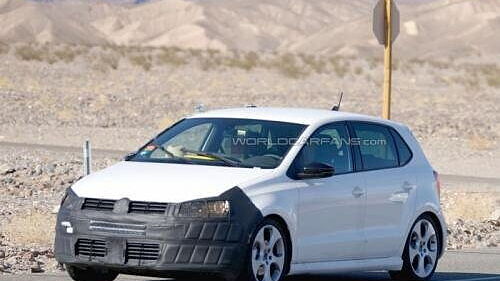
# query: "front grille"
118 228
98 204
147 207
91 248
142 252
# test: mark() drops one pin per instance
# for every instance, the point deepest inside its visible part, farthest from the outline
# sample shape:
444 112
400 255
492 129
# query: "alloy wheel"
423 248
268 254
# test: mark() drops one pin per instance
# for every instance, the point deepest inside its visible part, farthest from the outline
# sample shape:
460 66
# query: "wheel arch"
282 222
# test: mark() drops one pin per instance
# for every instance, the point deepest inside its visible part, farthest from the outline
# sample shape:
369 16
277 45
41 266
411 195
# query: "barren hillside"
432 28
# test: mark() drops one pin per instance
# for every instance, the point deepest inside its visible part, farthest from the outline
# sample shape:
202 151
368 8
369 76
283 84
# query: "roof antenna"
337 107
199 108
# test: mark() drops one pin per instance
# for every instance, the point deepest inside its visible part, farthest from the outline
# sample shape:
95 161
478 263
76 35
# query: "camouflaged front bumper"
157 244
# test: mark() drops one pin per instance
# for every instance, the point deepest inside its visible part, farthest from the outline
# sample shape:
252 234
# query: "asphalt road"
483 265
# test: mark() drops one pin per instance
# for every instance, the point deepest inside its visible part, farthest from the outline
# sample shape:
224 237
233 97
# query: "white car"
258 194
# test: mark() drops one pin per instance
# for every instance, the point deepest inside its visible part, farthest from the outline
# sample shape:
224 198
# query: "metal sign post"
87 158
386 29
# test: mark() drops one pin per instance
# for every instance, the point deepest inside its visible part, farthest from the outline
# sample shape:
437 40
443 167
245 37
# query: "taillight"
438 183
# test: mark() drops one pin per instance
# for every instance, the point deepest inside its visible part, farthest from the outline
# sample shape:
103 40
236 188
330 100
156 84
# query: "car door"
390 187
330 210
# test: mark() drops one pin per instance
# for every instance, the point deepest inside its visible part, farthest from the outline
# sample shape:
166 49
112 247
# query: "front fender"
282 203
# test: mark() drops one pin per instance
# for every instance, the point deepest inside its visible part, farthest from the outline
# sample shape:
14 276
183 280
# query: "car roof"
306 116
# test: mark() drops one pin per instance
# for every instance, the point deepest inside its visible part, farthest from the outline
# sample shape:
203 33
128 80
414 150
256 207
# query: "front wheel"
269 253
90 274
421 253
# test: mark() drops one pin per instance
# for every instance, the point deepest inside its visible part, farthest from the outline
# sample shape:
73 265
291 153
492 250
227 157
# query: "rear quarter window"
404 151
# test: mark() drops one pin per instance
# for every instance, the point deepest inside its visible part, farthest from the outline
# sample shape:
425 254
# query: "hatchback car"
258 194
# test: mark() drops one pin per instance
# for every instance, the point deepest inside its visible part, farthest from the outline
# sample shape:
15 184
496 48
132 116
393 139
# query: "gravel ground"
32 184
65 102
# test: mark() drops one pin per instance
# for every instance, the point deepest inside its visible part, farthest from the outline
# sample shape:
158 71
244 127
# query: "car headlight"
70 199
203 209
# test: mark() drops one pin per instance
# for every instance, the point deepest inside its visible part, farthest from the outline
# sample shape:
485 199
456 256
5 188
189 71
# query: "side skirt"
394 263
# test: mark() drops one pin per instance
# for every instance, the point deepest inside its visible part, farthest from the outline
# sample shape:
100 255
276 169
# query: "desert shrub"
373 62
317 64
213 52
210 62
476 73
288 65
29 53
439 64
417 61
67 54
252 58
171 56
468 80
143 60
493 81
245 61
110 60
47 53
341 66
4 48
358 70
123 51
195 52
407 67
491 72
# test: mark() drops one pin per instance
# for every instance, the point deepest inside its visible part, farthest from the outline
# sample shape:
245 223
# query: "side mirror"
316 171
129 156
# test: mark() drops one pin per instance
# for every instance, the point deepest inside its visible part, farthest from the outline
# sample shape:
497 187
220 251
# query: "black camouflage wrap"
184 245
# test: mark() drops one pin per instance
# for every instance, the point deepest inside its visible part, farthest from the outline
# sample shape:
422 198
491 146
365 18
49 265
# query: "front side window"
376 146
328 145
223 141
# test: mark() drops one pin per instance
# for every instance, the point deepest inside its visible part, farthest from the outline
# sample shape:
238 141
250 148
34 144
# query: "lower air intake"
142 252
91 248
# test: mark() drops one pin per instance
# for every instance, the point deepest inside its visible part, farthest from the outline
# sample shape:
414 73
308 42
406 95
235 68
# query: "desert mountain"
320 26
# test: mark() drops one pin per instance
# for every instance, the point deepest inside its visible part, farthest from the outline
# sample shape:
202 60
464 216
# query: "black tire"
90 274
247 270
407 272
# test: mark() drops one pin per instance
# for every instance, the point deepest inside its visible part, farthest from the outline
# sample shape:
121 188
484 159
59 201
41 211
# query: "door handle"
407 187
358 192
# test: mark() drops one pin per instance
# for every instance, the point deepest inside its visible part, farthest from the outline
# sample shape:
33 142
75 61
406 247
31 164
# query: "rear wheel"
269 253
90 274
421 253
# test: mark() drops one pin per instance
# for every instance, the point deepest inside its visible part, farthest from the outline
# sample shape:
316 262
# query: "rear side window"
403 149
376 145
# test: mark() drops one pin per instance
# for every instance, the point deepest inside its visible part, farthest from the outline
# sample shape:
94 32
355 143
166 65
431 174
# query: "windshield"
223 142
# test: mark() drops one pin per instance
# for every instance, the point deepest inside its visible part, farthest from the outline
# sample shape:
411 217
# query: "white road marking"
480 279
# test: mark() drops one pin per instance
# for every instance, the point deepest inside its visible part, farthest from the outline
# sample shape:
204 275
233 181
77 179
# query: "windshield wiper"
227 160
170 154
